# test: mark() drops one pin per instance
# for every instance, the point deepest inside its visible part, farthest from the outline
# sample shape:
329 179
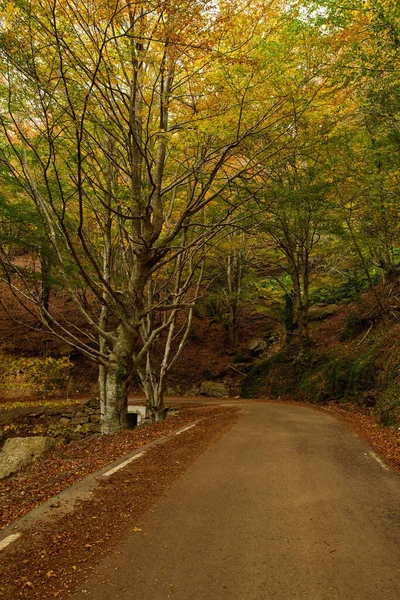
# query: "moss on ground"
367 375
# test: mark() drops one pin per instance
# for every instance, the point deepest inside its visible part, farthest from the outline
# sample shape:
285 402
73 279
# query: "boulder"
319 312
18 452
214 389
68 411
257 346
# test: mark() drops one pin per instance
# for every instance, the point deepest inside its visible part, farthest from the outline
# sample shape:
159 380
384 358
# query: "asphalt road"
289 504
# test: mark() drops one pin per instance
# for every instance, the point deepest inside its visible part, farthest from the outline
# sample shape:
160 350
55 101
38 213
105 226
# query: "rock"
80 414
90 403
18 452
214 389
257 346
79 420
95 419
94 427
64 421
93 436
85 401
319 312
53 411
35 415
68 411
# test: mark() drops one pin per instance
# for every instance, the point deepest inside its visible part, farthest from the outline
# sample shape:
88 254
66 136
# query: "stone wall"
83 419
72 422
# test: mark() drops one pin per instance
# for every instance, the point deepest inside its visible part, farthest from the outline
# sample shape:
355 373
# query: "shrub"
312 386
35 374
277 376
336 377
347 377
388 405
354 325
253 381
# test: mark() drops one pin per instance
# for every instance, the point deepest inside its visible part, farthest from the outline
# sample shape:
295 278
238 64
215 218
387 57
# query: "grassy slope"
354 357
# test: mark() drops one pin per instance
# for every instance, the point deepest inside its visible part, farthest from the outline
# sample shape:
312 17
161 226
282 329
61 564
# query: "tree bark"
114 412
45 267
300 283
153 386
234 275
114 381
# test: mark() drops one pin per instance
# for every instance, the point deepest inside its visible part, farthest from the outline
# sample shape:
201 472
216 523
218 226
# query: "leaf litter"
52 559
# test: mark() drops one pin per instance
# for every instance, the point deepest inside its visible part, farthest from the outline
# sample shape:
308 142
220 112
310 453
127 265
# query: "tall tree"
123 122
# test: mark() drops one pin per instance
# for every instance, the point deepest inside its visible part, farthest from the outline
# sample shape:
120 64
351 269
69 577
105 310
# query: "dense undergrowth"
353 357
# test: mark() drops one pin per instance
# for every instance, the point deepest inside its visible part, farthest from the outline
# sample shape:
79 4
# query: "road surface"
289 504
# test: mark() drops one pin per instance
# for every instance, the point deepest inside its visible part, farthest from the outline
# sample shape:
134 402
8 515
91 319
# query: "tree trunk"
115 399
288 318
234 280
153 387
114 379
301 303
45 266
102 379
155 403
306 300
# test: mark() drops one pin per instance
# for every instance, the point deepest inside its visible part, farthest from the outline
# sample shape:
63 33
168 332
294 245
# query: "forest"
168 162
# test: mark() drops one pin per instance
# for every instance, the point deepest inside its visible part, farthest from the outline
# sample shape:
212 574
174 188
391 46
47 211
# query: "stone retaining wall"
83 420
80 420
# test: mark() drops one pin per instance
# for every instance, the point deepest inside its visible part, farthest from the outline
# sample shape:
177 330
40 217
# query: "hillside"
353 356
33 360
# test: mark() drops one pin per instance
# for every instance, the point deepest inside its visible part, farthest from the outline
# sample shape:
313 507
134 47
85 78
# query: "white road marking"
9 540
379 461
122 465
126 462
185 429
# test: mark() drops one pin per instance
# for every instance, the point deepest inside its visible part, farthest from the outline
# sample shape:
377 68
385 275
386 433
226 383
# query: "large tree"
123 123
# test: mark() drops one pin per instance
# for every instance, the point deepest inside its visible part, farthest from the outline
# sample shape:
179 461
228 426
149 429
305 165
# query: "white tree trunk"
153 386
114 379
115 400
